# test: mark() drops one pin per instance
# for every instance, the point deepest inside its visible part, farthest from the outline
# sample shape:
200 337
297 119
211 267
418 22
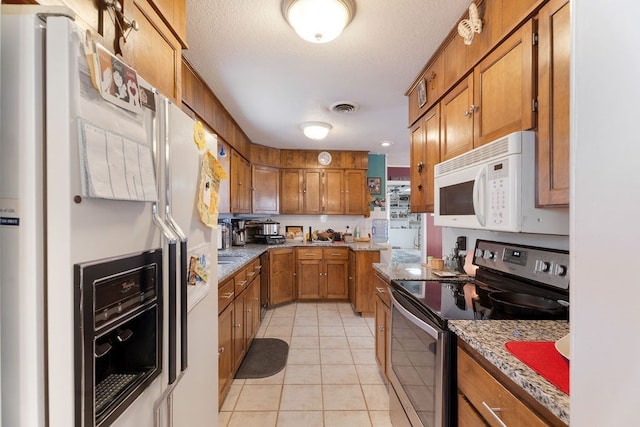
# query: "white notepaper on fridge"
115 167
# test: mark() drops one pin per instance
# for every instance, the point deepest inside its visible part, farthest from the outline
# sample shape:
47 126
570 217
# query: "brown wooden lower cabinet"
361 273
322 273
382 324
225 351
238 322
282 275
493 398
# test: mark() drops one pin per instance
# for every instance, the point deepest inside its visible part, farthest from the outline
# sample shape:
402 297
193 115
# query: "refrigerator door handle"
172 241
184 279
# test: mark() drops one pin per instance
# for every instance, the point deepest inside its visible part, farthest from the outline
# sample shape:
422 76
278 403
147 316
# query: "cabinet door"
291 184
503 88
266 190
281 276
355 200
554 46
382 330
431 124
336 274
310 275
250 311
457 120
312 192
239 332
154 51
240 183
226 367
333 192
417 168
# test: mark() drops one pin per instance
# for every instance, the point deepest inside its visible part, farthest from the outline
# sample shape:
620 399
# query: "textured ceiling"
271 80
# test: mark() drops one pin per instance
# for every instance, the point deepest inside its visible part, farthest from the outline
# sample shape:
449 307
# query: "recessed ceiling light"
386 144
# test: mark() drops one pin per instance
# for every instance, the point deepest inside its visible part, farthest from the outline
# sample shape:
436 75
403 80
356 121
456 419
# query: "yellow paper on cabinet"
211 172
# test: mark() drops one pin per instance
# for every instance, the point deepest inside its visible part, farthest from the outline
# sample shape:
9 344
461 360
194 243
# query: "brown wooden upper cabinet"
554 44
323 191
355 192
240 183
425 154
493 101
265 194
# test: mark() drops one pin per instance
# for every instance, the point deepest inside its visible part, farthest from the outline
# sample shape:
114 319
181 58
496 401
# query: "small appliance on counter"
224 239
238 232
264 231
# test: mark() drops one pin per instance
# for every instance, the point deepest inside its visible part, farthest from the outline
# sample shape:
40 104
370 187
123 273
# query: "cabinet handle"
419 187
467 113
251 273
228 296
493 411
473 108
380 290
381 328
237 325
258 267
221 350
335 254
309 254
244 282
420 166
249 311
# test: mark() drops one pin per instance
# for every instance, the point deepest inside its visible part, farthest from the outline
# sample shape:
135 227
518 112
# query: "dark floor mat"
266 357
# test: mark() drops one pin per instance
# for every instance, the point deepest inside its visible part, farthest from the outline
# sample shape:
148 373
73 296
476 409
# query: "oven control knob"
119 308
560 270
545 266
489 255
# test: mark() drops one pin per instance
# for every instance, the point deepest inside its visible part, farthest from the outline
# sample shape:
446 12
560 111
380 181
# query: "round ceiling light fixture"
386 144
318 21
315 130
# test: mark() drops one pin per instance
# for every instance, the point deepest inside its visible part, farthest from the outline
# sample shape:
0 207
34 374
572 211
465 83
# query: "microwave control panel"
498 193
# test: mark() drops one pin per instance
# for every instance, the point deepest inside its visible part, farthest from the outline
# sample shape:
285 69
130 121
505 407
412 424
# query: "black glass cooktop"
443 301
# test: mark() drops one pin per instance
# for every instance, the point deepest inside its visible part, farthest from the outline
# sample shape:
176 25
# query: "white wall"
605 206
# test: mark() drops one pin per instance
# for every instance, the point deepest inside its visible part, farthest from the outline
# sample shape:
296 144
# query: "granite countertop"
243 255
488 338
412 271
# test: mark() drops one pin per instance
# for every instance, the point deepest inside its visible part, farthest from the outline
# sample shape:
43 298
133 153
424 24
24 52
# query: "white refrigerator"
51 220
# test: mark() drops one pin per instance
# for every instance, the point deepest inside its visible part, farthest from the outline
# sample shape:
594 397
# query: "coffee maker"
238 232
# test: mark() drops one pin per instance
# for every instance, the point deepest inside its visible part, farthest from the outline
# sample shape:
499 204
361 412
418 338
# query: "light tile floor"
331 378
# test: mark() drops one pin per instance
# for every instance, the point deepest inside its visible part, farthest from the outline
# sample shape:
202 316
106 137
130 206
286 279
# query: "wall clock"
324 158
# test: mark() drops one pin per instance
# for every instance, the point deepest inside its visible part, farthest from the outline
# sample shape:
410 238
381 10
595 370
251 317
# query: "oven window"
415 359
457 199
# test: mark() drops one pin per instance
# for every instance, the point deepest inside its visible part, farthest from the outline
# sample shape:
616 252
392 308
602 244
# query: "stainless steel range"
512 282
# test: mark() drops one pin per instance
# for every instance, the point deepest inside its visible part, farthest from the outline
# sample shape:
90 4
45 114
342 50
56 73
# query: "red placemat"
542 357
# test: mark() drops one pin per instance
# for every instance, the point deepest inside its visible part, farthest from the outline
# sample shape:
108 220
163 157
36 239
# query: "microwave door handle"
479 205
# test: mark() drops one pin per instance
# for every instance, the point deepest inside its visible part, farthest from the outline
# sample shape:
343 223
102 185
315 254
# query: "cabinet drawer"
382 290
312 253
240 281
467 416
337 253
485 392
226 294
252 270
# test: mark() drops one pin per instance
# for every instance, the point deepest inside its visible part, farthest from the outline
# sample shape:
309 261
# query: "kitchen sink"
232 259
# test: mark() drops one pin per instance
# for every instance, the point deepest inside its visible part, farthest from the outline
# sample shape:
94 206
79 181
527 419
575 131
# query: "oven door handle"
435 333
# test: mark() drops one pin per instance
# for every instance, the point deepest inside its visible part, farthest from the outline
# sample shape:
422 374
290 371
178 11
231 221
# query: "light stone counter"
242 255
488 338
412 271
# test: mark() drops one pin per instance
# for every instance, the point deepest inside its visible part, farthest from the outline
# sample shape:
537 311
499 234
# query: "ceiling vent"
345 107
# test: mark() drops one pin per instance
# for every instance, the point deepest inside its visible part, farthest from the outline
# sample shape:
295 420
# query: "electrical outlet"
461 242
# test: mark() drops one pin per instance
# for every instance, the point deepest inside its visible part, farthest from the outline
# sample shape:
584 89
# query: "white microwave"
493 187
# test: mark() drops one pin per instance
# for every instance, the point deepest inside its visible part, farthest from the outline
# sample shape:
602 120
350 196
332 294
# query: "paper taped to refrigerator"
115 167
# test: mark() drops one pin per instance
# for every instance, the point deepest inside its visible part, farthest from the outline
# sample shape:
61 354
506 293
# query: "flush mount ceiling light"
318 21
386 144
315 130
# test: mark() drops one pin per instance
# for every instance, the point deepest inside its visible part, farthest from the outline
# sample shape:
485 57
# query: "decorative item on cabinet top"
468 27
